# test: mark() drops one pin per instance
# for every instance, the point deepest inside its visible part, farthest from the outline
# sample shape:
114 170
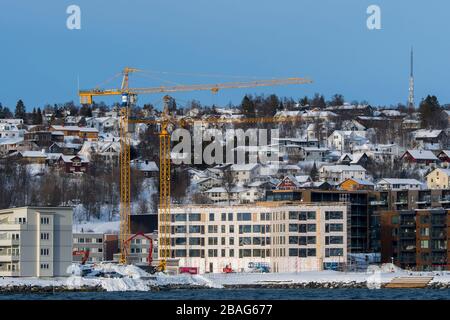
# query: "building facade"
282 237
35 241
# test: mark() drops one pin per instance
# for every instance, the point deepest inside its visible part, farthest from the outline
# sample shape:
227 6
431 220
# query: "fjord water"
244 294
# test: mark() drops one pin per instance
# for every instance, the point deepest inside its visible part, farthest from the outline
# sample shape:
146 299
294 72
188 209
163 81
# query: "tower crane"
129 97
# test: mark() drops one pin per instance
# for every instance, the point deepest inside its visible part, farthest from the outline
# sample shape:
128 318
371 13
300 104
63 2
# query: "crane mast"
129 96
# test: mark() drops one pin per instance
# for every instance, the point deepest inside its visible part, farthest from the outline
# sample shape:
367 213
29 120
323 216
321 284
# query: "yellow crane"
129 97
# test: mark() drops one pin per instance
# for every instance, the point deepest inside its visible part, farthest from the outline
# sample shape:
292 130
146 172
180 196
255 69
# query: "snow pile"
389 267
109 284
163 279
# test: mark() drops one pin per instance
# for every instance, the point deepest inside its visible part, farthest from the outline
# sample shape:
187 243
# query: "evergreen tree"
337 100
318 101
39 116
248 107
20 112
34 116
431 114
314 173
304 101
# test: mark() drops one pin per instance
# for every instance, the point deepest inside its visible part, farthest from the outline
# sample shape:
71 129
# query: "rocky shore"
47 289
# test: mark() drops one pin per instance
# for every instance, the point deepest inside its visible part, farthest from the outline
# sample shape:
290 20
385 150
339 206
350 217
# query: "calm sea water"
245 294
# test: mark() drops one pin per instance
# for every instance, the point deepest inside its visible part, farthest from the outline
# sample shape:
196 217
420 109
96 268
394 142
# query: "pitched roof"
422 154
399 181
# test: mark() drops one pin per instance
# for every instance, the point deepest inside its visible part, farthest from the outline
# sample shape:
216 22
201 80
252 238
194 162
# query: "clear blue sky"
326 40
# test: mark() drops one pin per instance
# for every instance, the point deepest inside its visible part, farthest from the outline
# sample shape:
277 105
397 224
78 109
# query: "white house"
339 173
398 184
438 179
244 173
346 140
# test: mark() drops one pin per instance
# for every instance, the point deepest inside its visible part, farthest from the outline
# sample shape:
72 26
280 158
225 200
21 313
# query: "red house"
444 156
424 157
71 164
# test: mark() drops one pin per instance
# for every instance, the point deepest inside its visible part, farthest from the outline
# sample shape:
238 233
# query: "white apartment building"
286 237
35 241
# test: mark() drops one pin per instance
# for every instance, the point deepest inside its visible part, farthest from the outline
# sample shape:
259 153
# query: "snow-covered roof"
422 154
7 141
244 167
70 158
303 178
423 133
361 182
400 181
33 154
341 168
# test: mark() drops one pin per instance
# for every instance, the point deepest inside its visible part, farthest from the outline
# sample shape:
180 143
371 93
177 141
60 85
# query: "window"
180 241
302 228
293 215
180 217
425 232
224 217
211 217
244 216
222 241
212 229
196 229
45 220
99 240
45 266
231 240
311 215
302 253
45 236
244 241
334 240
334 215
212 252
196 241
334 252
196 253
194 217
257 228
394 219
245 253
230 216
180 229
222 253
293 252
245 229
293 227
45 251
334 227
311 240
180 253
311 252
293 240
231 229
212 241
311 228
231 253
424 244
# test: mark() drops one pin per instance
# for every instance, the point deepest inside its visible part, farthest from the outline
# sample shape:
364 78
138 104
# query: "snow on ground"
97 226
136 279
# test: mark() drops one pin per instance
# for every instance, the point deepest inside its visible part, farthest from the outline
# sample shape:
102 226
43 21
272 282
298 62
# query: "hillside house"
73 164
398 184
419 157
438 179
339 173
430 139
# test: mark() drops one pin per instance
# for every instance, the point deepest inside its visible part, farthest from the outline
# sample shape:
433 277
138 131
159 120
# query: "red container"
190 270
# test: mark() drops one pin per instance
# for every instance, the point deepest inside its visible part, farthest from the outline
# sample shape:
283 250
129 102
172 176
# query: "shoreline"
17 289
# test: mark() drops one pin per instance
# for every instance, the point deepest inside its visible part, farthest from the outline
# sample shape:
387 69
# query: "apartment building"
35 241
139 248
286 237
92 242
416 239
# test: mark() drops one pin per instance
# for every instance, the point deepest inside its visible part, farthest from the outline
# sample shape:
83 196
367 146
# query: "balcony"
401 201
445 199
407 235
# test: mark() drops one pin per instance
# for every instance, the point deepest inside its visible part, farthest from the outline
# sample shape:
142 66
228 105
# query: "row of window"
45 266
45 236
89 240
213 253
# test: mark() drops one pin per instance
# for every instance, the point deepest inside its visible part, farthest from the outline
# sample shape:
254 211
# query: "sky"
328 41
